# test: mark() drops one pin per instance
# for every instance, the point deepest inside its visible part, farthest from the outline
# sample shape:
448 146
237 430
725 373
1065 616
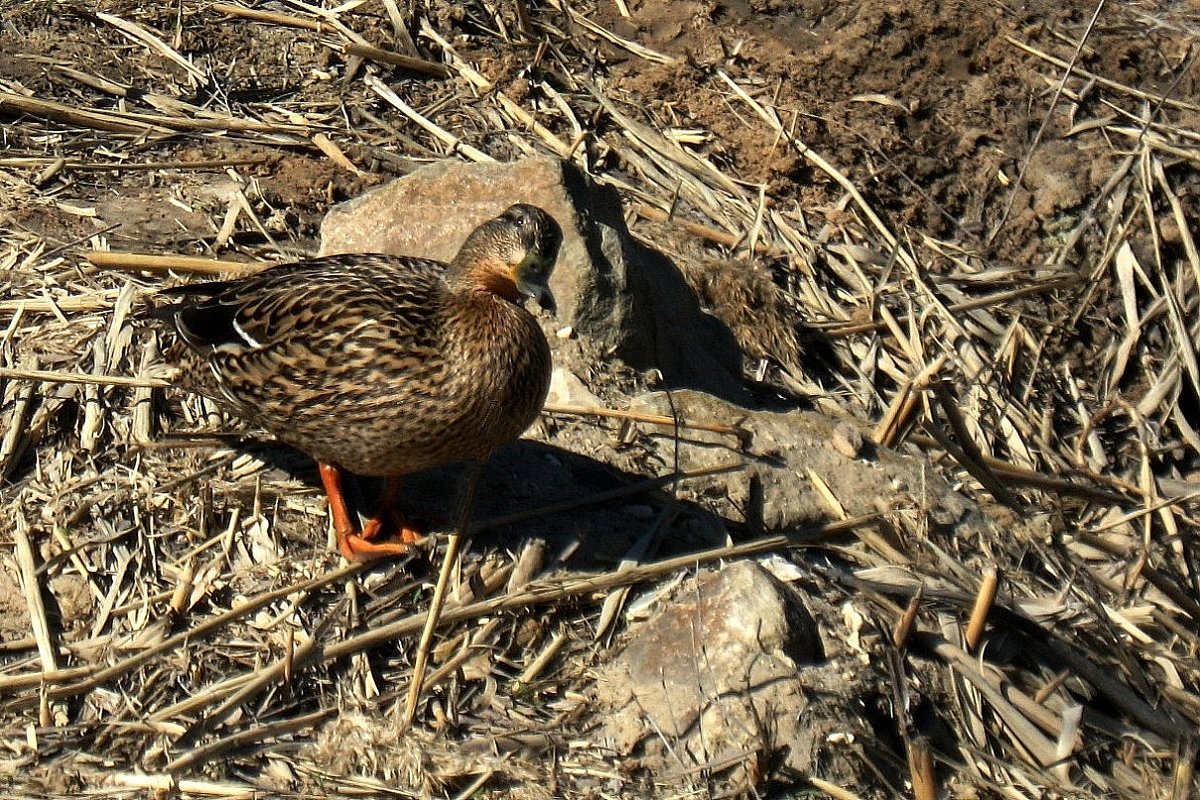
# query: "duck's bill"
543 295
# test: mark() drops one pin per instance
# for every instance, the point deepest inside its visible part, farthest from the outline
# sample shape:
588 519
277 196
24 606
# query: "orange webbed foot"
364 545
356 545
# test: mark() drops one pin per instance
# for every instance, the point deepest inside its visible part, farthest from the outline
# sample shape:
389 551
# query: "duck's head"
513 254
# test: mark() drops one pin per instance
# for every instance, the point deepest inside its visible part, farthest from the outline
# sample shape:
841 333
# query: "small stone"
847 440
567 389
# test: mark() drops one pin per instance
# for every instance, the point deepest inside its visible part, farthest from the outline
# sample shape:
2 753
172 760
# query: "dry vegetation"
986 217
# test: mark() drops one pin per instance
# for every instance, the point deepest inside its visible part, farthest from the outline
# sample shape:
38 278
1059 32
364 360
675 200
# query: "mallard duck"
380 365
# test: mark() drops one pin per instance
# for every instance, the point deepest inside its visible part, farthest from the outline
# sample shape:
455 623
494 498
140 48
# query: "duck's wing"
312 322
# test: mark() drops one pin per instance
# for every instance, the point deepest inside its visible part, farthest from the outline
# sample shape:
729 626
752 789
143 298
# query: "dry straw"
201 638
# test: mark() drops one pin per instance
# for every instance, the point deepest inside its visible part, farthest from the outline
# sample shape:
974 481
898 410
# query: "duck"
379 365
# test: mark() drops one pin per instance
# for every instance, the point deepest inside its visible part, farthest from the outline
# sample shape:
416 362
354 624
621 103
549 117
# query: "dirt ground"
1051 225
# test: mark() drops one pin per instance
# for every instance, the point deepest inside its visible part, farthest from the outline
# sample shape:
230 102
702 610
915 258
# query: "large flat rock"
618 296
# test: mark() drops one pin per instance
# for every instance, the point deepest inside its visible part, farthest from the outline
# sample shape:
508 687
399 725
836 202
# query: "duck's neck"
482 277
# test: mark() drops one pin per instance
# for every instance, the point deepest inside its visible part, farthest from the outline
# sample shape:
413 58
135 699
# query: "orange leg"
357 545
389 514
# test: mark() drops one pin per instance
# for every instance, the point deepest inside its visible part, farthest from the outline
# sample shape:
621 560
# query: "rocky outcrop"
615 296
727 676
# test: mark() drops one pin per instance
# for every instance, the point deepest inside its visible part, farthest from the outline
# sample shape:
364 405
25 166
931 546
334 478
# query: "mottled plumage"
381 365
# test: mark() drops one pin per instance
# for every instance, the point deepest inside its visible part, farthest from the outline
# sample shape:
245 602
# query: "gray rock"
776 490
702 676
619 297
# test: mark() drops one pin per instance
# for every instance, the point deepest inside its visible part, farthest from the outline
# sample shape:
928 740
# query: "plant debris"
980 221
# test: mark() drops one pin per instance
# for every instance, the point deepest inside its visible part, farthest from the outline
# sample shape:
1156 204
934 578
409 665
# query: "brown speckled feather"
382 365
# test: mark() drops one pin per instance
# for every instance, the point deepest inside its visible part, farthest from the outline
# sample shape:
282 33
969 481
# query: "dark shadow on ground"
527 476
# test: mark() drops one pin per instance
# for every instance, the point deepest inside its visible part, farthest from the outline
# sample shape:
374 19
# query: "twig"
449 562
138 262
541 593
242 738
451 141
87 378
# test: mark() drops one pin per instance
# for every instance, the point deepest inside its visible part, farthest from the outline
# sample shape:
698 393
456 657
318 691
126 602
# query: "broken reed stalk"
30 583
16 438
996 299
771 117
60 164
142 36
976 468
170 785
257 15
1158 725
142 262
974 457
531 596
1026 732
452 142
1028 477
1163 572
631 490
1051 686
641 51
831 789
1153 575
904 625
1185 767
245 690
431 68
920 768
1100 80
900 412
240 689
243 738
542 593
543 659
82 378
652 419
139 123
983 604
726 240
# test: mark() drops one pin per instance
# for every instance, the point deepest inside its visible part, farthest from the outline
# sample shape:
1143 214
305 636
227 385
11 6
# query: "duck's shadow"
588 513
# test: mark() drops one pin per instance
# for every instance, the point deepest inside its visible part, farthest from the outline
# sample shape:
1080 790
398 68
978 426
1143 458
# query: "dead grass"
184 632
